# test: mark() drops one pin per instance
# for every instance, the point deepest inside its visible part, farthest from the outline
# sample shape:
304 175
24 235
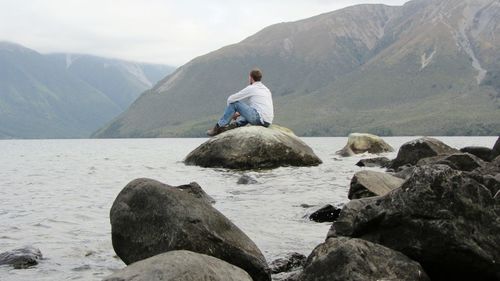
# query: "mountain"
65 95
430 67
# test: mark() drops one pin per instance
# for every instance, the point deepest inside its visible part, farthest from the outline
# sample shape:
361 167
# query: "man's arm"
241 95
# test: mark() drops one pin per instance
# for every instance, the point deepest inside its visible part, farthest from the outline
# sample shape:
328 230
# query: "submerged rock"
361 143
149 218
440 217
327 213
180 266
21 258
411 152
246 179
371 183
346 259
253 147
290 262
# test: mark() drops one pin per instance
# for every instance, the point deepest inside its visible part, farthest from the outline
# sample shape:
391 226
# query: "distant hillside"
430 67
64 95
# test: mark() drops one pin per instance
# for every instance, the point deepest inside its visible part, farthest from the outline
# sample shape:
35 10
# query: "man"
252 105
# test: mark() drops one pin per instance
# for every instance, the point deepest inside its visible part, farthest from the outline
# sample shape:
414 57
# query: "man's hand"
236 115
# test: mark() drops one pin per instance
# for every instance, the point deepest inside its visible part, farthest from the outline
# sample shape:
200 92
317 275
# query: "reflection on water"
56 195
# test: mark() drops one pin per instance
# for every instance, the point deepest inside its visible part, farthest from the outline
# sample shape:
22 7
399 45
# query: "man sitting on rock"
252 105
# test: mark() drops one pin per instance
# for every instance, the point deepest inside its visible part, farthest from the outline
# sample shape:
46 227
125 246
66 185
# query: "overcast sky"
156 31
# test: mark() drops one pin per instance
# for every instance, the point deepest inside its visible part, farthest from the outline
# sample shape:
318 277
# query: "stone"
360 143
327 213
496 149
253 147
21 258
290 262
180 266
458 161
246 179
351 259
374 162
371 183
484 153
149 218
411 152
440 217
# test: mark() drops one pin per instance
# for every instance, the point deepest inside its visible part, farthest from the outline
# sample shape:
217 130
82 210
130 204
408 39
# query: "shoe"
215 131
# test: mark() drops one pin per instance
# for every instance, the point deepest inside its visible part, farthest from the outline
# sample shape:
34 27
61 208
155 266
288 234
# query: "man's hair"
256 74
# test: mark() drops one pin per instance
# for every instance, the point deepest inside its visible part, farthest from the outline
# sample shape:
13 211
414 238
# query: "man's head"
255 75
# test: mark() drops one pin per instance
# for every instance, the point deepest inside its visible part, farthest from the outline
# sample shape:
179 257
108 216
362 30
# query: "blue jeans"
247 115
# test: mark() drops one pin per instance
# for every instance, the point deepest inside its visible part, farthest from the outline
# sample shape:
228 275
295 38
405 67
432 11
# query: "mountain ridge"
41 98
392 70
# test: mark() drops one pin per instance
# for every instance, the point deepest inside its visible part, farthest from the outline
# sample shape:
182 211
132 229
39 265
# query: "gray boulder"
180 266
21 258
371 183
484 153
440 217
253 147
411 152
150 218
346 259
360 143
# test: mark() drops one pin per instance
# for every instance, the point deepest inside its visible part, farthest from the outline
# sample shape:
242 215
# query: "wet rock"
290 262
149 218
327 213
371 183
361 143
457 161
484 153
180 266
374 162
345 259
246 179
253 147
21 258
440 217
411 152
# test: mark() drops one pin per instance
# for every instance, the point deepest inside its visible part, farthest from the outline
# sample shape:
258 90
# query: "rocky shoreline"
434 215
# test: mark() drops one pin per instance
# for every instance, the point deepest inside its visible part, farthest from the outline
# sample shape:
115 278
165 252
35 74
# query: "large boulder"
411 152
21 258
360 143
346 259
180 266
253 147
439 217
371 183
150 218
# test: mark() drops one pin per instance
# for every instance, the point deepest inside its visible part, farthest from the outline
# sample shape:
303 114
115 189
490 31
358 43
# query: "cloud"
158 31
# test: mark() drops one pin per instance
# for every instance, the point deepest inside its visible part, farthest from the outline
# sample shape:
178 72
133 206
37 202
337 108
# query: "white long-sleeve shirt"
257 96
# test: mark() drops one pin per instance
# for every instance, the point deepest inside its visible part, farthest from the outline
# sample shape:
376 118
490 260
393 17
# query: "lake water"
56 195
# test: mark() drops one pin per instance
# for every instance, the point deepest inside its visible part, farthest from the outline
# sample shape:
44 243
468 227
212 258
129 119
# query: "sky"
155 31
